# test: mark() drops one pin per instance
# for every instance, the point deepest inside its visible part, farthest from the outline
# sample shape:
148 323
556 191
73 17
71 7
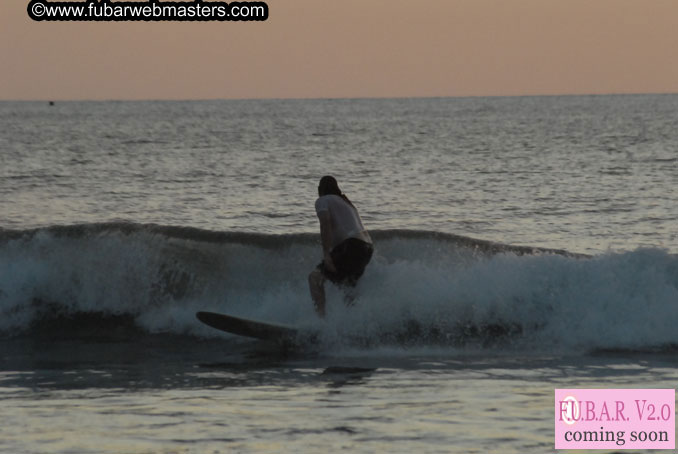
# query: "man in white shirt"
347 247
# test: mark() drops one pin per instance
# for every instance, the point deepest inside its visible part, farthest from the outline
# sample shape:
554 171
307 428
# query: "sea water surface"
522 245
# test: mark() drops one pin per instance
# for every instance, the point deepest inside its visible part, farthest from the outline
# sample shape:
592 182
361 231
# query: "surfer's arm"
326 238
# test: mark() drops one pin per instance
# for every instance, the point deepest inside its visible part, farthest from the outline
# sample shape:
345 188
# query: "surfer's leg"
316 283
352 265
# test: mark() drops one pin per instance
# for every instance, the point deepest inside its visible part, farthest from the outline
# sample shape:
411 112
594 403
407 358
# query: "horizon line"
339 98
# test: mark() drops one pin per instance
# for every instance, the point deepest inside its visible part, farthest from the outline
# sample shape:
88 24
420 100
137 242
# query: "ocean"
522 244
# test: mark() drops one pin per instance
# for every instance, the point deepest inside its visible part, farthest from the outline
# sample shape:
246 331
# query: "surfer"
347 247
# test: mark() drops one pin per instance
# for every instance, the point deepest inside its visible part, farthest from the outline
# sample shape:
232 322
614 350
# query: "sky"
350 49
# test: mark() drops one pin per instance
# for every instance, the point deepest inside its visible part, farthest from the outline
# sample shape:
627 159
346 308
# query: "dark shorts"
350 259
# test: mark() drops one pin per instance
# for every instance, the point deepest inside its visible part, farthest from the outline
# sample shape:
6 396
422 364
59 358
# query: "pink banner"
615 419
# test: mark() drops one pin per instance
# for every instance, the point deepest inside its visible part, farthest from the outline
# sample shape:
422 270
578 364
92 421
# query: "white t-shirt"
345 219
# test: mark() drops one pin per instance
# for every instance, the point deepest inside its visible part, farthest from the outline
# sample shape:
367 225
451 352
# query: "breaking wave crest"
422 288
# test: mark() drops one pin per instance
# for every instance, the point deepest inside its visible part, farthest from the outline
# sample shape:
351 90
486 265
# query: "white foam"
414 286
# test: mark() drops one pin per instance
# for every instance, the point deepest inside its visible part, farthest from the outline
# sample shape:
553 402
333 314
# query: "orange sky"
351 48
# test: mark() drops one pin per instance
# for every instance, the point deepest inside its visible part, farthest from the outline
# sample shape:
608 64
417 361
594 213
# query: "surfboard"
254 328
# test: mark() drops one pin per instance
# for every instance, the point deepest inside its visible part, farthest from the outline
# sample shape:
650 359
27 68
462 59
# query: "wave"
422 288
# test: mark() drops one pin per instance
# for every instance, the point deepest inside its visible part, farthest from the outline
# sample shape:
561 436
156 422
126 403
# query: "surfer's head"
328 185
